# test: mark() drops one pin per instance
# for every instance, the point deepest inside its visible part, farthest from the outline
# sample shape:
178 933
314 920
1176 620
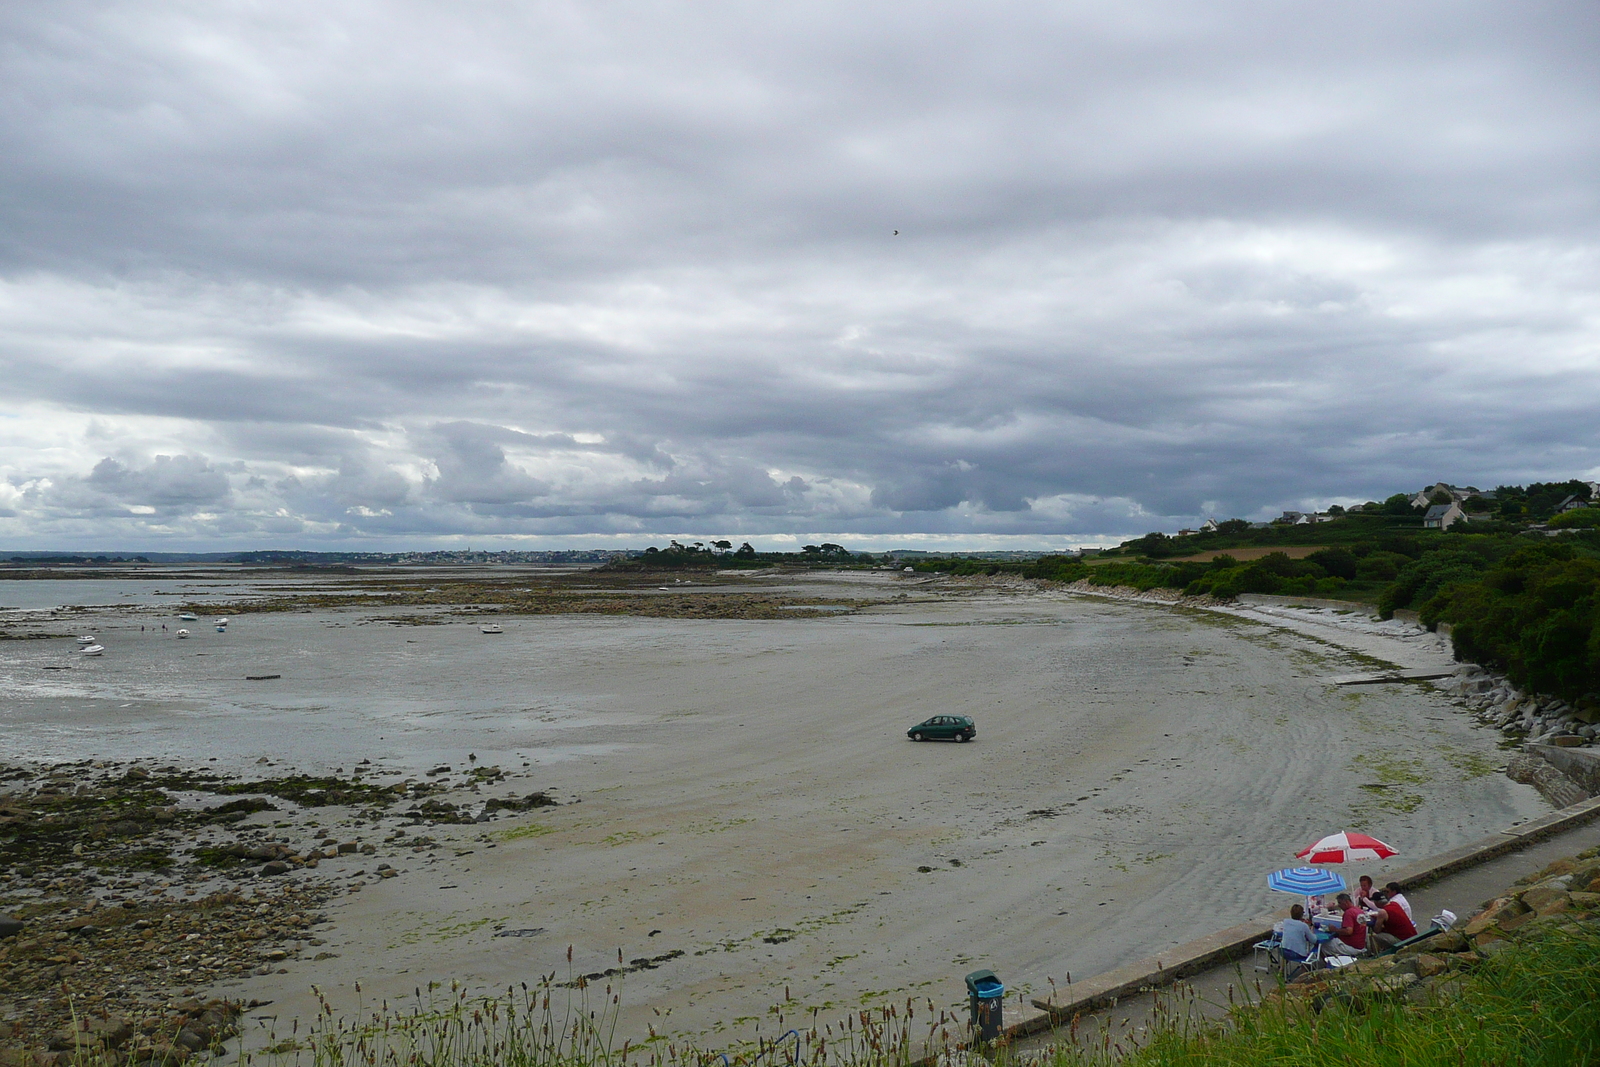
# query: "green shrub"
1535 615
1419 580
1381 566
1338 562
1580 518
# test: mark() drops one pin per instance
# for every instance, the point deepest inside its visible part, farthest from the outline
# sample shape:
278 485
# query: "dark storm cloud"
413 270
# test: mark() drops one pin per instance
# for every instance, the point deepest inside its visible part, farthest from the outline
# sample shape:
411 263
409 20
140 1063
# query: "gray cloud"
415 271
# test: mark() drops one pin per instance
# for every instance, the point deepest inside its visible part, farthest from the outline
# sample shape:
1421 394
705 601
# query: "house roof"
1437 511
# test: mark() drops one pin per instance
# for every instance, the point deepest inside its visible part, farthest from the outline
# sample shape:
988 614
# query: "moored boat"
183 633
91 650
490 628
189 616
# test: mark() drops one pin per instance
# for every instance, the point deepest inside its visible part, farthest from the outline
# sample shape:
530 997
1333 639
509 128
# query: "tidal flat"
739 819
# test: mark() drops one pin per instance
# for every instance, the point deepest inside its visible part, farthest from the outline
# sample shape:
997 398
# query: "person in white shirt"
1397 897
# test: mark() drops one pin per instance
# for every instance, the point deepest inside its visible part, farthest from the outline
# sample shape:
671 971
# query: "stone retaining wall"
1582 765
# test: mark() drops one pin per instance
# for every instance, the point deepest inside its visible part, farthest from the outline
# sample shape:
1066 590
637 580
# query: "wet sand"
745 793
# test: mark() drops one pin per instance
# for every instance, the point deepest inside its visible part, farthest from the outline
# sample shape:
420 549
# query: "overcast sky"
397 274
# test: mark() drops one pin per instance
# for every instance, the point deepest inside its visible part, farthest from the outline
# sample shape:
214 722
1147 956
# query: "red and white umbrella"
1346 847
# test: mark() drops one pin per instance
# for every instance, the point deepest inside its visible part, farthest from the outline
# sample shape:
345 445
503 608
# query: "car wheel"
961 737
916 737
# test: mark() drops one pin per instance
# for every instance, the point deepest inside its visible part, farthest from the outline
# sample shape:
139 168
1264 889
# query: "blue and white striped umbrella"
1305 881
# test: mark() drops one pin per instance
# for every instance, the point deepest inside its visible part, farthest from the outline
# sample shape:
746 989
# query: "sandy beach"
741 806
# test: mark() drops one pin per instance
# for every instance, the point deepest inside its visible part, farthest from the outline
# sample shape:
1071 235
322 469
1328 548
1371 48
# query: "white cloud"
406 273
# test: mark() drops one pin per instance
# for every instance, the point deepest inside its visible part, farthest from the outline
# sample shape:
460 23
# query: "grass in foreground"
1535 1004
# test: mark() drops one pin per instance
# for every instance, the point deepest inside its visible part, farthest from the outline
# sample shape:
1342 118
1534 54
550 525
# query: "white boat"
86 639
189 616
183 633
91 650
490 628
222 621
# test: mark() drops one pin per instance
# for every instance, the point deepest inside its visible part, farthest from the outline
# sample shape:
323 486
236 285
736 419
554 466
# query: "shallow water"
404 696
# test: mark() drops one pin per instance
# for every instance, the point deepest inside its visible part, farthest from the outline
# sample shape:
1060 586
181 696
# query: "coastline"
845 821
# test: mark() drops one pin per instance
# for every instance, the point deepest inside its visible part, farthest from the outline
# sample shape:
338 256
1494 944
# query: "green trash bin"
986 995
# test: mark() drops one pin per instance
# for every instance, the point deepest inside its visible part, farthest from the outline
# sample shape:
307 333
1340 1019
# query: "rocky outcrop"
1529 716
1544 724
1566 890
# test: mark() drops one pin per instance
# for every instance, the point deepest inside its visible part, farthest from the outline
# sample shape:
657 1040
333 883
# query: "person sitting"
1391 925
1392 891
1364 894
1351 937
1297 941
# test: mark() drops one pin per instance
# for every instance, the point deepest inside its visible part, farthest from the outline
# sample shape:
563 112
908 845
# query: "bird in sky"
897 233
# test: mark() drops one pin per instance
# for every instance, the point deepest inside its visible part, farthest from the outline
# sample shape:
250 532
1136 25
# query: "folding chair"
1266 952
1293 969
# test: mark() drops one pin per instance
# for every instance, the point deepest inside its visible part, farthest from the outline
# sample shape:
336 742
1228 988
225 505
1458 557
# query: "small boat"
222 627
490 628
222 621
86 639
189 616
91 650
183 633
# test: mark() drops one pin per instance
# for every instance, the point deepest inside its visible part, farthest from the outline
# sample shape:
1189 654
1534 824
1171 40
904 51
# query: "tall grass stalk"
1536 1004
573 1023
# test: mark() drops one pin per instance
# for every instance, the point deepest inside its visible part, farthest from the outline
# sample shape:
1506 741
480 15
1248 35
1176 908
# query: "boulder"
1429 965
113 1030
1554 906
1383 986
275 867
1496 913
1516 922
10 927
1540 898
1436 991
1381 966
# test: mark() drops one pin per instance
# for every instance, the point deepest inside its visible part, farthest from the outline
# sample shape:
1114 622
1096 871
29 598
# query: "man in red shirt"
1351 937
1391 925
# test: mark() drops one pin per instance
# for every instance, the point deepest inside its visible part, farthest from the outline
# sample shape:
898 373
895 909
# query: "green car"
943 727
